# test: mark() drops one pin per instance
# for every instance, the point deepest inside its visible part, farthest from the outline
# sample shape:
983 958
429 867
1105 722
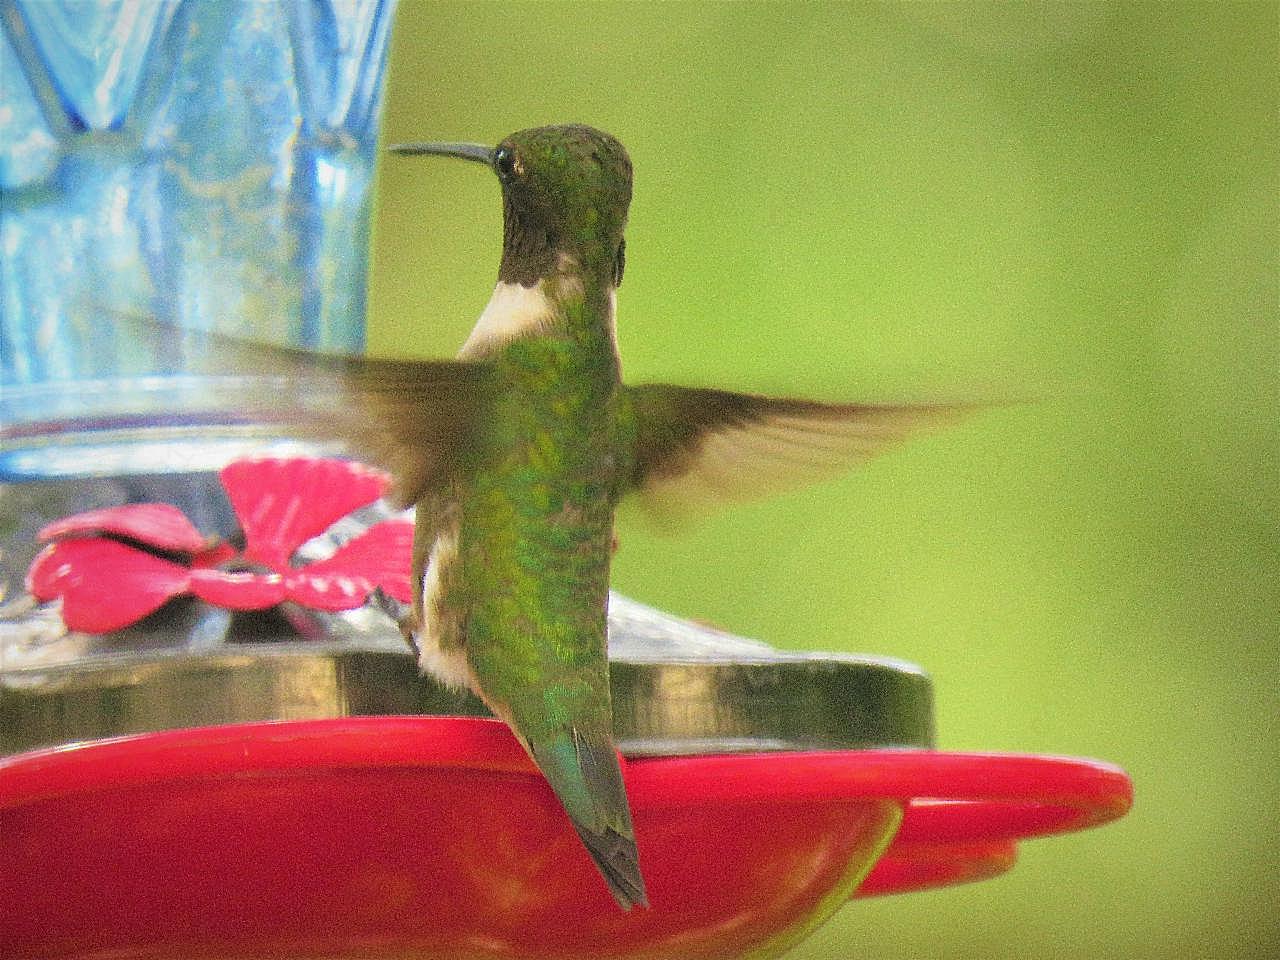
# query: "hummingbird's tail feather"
586 776
615 855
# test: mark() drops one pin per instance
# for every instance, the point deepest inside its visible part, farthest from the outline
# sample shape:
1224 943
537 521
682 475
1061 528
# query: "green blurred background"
1077 202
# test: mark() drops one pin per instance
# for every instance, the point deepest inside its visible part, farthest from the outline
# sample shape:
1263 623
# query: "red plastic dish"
435 838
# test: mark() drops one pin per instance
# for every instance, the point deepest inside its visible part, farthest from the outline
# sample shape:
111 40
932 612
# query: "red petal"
283 503
215 555
104 585
241 590
382 555
155 524
327 591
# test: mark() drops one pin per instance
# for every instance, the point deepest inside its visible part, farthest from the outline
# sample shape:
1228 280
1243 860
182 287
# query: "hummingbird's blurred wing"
412 417
695 447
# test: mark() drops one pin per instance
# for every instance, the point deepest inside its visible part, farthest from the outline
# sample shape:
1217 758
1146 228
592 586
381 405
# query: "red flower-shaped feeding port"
114 566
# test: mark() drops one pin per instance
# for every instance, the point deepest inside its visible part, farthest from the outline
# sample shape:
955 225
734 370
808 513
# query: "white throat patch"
513 310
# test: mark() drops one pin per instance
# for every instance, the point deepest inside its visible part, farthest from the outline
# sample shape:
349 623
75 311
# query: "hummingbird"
516 454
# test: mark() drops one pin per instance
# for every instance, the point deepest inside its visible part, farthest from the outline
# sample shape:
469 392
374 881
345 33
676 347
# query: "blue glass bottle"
205 164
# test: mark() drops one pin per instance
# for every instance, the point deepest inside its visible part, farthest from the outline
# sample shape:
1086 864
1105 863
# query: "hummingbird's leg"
409 627
613 543
403 615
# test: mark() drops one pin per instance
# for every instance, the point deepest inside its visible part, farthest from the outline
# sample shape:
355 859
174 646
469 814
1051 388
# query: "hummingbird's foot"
409 627
406 620
613 544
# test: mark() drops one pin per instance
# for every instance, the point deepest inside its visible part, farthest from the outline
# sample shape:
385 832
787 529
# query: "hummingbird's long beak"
466 151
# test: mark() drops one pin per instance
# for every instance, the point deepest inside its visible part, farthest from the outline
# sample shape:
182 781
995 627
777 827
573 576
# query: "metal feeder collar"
678 689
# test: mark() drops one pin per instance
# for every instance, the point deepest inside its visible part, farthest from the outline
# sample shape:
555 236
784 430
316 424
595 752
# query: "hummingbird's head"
565 194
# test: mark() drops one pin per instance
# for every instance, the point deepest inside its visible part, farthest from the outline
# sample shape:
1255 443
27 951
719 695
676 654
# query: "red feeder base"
436 838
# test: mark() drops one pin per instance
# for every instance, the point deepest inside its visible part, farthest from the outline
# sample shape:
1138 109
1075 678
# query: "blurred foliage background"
1070 201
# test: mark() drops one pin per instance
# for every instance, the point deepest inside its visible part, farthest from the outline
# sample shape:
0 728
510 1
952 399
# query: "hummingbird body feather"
516 578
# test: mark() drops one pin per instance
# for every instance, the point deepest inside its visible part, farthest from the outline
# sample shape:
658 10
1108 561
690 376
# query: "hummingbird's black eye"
504 162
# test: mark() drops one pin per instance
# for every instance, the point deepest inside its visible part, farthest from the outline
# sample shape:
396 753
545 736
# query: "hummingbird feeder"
261 794
214 742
